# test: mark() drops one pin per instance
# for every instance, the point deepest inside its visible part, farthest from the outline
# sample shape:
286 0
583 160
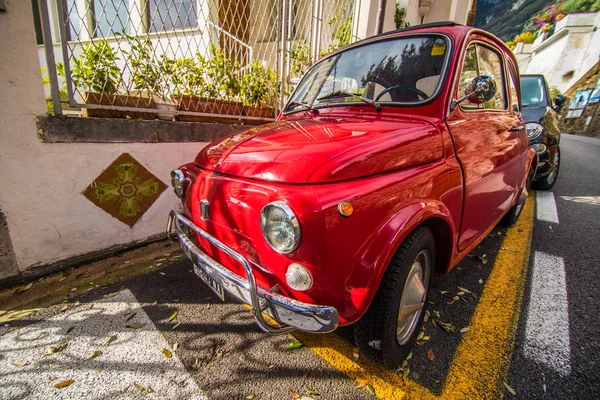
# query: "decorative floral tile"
125 190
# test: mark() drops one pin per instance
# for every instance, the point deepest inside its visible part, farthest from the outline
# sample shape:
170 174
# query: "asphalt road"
561 297
219 353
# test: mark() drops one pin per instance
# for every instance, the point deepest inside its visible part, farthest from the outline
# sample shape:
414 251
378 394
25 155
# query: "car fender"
369 271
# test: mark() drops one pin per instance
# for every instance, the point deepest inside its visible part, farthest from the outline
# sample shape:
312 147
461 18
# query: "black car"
540 114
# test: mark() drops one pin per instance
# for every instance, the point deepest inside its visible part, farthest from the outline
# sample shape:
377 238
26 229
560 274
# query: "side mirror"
481 89
559 102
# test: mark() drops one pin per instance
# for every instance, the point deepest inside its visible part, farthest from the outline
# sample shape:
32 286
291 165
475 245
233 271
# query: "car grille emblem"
204 209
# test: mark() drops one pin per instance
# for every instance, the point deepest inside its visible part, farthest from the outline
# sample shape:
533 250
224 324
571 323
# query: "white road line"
135 356
547 329
546 207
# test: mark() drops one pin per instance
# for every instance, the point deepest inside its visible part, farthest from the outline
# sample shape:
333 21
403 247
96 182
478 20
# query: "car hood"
324 149
534 114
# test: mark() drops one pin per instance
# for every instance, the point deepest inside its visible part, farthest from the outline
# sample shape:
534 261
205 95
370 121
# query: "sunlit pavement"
465 351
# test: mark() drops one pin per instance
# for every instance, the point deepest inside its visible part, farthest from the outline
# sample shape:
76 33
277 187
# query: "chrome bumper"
290 313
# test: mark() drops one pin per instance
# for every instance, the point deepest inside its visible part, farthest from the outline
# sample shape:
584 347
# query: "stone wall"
591 112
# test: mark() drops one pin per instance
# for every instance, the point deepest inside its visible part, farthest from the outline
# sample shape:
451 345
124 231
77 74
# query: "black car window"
532 91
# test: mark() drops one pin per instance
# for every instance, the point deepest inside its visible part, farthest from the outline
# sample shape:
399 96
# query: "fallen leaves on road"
167 353
405 373
295 395
447 326
155 303
110 340
172 317
141 388
56 349
175 346
294 345
430 354
21 364
371 389
24 289
454 299
510 390
136 325
64 308
130 317
250 396
464 330
176 325
95 354
110 295
64 384
271 366
52 378
312 392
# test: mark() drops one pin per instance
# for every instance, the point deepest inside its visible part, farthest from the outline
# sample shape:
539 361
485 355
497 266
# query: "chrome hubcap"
413 297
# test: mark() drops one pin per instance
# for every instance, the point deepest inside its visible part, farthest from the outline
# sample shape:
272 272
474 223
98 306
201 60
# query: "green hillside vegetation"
504 22
523 23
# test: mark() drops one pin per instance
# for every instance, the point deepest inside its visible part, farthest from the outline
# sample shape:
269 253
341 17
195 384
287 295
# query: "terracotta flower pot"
209 106
268 113
118 100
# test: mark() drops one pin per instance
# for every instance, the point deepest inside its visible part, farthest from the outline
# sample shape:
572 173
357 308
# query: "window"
112 17
481 60
168 15
514 96
532 91
403 70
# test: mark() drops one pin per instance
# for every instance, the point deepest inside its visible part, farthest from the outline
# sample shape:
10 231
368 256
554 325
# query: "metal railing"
190 60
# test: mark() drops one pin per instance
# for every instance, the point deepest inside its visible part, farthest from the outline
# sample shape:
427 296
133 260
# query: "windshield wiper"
295 104
341 93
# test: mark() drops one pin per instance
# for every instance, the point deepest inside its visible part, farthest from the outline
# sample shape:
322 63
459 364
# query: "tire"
512 215
377 334
550 179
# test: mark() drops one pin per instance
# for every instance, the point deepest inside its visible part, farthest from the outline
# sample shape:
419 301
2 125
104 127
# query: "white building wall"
568 54
41 184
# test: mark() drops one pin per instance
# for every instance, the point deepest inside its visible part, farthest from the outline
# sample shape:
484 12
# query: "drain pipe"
380 16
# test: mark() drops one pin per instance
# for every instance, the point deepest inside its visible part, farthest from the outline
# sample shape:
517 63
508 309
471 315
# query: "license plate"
218 289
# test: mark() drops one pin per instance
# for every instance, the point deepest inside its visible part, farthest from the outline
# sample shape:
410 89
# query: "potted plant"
97 74
151 76
208 86
259 91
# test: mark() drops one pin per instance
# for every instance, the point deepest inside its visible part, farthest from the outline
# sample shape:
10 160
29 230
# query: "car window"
532 91
405 70
480 60
514 96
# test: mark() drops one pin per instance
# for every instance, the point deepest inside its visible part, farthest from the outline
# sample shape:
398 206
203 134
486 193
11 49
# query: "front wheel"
550 179
389 328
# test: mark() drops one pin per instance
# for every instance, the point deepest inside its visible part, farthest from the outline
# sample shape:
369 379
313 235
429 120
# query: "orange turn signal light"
345 208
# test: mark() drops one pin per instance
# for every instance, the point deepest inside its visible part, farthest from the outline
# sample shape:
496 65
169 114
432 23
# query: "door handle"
517 128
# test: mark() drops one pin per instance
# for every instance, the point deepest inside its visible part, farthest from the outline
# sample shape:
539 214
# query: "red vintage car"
392 160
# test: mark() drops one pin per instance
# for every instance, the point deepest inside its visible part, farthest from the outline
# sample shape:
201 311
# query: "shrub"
259 85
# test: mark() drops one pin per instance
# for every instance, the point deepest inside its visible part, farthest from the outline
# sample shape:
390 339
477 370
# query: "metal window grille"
224 60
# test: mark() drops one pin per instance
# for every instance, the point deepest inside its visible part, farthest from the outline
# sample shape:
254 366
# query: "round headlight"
178 182
534 130
280 227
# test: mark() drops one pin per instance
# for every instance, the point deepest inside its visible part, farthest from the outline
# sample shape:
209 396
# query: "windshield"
532 91
405 70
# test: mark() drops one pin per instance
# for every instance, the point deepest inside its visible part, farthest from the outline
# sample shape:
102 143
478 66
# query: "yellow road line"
481 361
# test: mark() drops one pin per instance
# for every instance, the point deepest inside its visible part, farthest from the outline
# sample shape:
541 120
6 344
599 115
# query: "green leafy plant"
187 76
400 17
147 72
300 56
343 34
62 91
222 75
259 85
96 69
